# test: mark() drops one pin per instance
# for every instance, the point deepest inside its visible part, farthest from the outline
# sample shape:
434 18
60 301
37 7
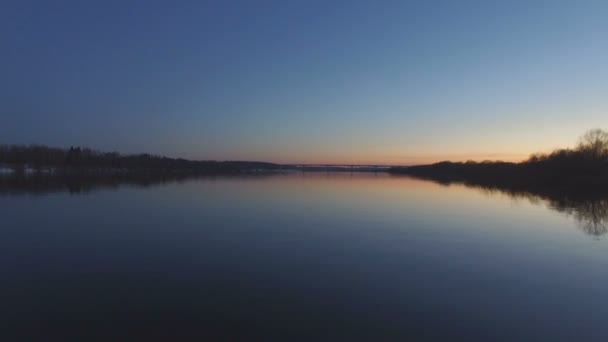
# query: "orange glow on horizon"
405 160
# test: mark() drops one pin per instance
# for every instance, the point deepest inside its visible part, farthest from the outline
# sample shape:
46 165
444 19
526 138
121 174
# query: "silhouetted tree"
594 144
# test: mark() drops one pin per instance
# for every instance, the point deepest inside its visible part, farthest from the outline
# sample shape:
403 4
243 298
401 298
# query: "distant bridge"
339 167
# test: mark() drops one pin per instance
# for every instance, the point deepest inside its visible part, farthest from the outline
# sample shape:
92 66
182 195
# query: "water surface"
313 256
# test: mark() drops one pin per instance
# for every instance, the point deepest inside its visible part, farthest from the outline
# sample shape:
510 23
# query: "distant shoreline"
513 176
585 167
20 160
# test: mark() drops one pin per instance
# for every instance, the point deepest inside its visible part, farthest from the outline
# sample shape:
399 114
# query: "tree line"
40 157
586 164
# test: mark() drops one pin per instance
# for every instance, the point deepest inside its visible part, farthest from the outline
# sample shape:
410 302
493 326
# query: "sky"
370 82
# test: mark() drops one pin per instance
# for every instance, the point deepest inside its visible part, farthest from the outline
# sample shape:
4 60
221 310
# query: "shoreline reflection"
84 183
589 207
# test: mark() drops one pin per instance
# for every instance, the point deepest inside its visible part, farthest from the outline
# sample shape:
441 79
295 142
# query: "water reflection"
592 216
304 256
589 207
39 183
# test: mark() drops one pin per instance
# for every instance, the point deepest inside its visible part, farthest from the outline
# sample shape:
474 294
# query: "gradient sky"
392 82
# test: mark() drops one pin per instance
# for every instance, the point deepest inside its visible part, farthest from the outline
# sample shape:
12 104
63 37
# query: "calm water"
301 257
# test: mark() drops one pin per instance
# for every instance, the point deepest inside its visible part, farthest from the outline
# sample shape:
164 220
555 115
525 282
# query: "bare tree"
594 143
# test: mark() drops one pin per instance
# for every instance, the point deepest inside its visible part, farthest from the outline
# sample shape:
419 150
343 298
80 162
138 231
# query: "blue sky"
305 81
